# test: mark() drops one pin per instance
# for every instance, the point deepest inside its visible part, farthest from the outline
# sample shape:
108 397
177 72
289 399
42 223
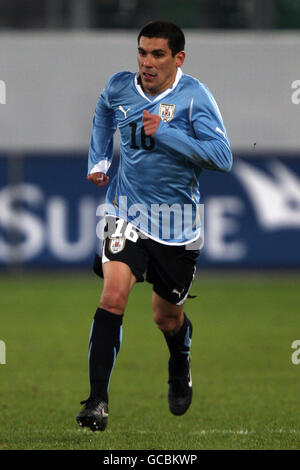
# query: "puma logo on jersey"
123 110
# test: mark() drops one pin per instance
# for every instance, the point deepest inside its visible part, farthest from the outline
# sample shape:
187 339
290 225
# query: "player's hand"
150 122
99 179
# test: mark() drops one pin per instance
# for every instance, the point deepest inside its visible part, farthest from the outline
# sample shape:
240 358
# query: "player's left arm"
210 147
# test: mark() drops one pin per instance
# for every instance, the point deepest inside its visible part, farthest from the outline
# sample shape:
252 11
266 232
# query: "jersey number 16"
146 140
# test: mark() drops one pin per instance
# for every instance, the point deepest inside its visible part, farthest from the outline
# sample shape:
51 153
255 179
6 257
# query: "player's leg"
106 331
171 270
123 263
105 341
177 330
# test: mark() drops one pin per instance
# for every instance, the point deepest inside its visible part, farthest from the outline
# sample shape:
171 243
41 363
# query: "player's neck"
153 93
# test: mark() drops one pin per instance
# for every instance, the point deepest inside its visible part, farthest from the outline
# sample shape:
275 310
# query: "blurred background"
55 58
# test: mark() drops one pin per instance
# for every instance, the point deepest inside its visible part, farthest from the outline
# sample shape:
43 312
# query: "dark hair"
166 30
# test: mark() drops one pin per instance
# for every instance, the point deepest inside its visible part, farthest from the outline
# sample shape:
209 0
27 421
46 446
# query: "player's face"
157 66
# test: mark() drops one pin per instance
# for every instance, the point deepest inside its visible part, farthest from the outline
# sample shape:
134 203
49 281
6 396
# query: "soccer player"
170 130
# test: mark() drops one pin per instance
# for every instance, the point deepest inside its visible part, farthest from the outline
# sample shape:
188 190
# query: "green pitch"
246 388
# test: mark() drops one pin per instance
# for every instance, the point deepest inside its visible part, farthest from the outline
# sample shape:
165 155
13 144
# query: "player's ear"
179 58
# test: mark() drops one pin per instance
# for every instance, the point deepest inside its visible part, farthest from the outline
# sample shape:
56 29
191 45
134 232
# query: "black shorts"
170 268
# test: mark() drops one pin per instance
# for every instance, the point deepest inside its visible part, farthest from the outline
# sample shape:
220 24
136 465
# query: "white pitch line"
243 431
200 432
222 431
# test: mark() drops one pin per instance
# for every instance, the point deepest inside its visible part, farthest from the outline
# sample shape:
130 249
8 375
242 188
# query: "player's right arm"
101 143
98 178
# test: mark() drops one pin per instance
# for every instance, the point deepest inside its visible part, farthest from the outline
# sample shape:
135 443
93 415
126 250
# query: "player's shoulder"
195 85
118 81
197 90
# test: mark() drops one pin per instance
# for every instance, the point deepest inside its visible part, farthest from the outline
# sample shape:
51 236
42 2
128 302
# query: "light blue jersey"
159 176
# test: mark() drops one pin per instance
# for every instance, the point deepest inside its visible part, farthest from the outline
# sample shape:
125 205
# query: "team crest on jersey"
166 111
116 245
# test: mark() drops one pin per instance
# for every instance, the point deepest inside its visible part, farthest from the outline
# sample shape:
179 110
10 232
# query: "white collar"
164 93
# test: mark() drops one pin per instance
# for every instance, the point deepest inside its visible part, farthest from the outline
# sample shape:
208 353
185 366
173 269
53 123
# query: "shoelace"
90 402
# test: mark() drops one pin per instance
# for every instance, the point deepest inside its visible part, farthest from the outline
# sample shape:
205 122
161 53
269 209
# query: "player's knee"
114 300
167 324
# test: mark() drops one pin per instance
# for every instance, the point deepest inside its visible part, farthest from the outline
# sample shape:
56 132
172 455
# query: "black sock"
104 345
179 346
